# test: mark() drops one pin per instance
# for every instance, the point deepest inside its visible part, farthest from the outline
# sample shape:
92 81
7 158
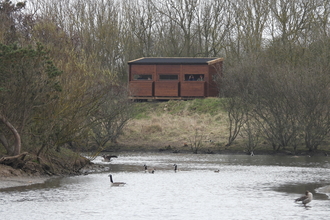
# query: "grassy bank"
199 125
178 126
174 123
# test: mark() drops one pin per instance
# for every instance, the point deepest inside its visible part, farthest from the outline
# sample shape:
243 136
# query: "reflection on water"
258 187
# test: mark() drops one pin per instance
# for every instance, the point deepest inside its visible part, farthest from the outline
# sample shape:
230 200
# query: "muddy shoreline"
16 181
10 177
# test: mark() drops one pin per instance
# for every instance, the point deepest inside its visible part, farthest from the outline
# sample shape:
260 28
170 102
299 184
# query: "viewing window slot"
142 77
194 77
168 77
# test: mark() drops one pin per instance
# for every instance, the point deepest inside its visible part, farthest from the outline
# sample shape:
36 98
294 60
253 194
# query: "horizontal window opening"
168 77
194 77
142 77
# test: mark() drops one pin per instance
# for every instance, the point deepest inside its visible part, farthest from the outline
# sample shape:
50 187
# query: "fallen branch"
16 161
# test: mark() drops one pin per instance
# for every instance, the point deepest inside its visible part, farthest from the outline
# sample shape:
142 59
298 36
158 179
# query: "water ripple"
244 188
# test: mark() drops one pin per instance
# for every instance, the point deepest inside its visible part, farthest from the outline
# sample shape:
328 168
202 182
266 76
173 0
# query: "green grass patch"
210 106
142 109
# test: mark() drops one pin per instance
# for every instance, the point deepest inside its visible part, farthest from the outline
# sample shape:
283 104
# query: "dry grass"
185 125
160 130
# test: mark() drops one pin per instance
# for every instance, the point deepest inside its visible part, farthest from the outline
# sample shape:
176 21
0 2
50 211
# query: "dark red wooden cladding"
166 88
174 77
138 88
193 89
168 69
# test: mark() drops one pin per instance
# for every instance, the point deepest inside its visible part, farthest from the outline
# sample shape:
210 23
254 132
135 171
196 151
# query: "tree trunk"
17 143
4 142
16 161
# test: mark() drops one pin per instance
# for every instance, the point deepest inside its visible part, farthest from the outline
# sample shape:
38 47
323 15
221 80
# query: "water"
259 187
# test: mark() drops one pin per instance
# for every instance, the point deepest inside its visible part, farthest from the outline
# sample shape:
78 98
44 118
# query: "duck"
146 170
107 158
307 198
116 183
217 171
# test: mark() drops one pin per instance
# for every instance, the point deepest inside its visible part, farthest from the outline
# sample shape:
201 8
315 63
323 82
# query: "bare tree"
179 17
236 117
9 12
196 140
251 134
108 122
142 18
290 19
314 101
213 24
16 148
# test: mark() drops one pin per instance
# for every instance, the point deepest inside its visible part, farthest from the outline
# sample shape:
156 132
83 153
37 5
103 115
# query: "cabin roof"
175 60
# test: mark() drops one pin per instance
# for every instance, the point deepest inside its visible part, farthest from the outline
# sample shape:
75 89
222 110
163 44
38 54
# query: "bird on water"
175 168
107 158
146 170
307 198
115 183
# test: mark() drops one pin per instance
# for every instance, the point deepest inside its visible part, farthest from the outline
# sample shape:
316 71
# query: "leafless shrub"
196 140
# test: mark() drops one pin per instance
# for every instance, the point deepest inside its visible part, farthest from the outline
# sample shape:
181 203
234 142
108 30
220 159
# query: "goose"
146 170
175 168
116 183
307 198
107 158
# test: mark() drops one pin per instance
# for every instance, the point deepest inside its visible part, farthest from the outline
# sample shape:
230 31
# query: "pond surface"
258 187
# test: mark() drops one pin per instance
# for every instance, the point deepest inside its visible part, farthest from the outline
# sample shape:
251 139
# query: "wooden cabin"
173 78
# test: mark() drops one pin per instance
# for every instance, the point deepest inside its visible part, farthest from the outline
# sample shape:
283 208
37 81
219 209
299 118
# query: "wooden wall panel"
215 71
161 69
141 88
192 89
213 90
140 69
166 88
195 69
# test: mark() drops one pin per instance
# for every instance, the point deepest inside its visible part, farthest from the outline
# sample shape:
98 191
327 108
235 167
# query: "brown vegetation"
171 130
180 126
175 131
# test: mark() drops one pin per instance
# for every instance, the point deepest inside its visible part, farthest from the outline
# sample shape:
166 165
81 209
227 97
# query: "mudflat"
8 182
10 177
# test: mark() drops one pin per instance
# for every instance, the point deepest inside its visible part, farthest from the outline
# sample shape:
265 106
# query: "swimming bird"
146 170
217 171
175 168
307 198
116 183
107 158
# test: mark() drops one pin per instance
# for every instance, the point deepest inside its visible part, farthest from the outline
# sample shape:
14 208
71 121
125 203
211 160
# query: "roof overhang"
175 60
